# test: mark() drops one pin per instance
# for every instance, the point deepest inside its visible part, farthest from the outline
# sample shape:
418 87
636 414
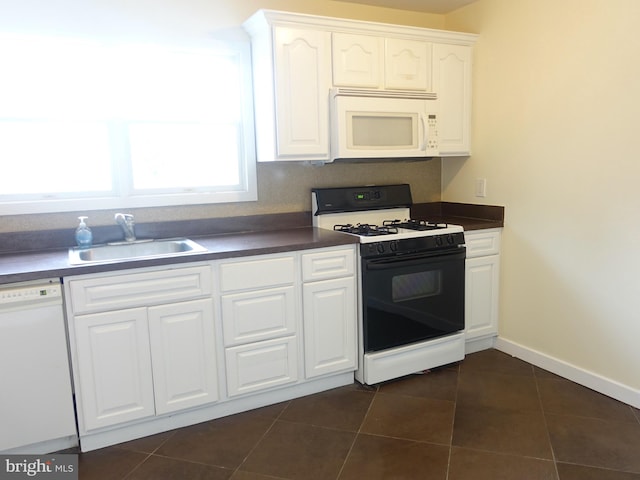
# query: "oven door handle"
411 260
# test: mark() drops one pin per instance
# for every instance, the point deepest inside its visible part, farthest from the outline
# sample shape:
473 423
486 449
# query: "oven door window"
407 301
413 286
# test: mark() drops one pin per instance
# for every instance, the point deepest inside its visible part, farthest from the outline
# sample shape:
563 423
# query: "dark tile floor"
490 417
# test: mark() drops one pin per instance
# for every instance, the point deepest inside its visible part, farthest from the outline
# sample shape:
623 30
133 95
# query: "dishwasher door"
36 403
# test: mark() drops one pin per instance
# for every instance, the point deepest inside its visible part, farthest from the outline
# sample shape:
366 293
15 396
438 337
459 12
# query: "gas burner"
411 224
366 230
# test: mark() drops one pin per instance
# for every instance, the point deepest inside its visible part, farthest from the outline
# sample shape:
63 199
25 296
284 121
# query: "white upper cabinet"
407 65
366 61
452 82
356 60
298 58
291 77
301 92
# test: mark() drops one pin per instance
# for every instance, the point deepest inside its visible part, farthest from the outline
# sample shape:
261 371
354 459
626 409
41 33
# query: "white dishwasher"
36 403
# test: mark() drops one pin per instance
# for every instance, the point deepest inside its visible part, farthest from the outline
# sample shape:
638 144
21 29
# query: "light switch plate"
481 187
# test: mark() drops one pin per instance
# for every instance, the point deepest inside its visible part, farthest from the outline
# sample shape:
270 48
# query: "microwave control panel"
432 133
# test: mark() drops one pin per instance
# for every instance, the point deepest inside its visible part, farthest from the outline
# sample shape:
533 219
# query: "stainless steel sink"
133 251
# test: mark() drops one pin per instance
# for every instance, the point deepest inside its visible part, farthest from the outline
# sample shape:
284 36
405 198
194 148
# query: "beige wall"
282 187
556 109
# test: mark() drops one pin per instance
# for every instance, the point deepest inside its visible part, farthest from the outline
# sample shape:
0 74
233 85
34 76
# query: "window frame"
121 196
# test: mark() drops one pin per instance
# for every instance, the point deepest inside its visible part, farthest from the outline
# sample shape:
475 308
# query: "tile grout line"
149 455
131 472
355 437
546 423
260 440
453 422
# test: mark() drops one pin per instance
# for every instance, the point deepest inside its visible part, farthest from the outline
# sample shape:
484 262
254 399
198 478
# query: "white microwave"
368 124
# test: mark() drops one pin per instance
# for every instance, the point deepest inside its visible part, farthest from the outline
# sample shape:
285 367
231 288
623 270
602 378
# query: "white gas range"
411 280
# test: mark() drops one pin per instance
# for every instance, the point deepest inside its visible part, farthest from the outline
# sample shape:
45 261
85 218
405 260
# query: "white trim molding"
588 379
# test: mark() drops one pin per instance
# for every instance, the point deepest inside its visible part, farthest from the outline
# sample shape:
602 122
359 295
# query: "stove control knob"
439 241
450 239
380 247
393 245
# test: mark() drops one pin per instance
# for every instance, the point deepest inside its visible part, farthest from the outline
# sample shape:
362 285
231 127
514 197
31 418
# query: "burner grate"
367 230
411 224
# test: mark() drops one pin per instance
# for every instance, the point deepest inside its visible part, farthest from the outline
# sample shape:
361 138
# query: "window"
87 125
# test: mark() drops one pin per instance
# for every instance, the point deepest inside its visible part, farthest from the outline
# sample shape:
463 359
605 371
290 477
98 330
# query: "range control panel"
353 199
29 293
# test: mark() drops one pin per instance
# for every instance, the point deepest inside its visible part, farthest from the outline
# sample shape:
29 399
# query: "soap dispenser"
84 237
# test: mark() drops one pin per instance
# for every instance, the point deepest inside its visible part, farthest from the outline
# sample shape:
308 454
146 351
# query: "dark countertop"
470 216
20 259
19 267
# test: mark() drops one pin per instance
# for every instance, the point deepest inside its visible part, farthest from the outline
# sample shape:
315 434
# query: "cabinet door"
481 296
407 64
114 367
452 83
302 63
356 60
258 315
329 326
261 365
182 338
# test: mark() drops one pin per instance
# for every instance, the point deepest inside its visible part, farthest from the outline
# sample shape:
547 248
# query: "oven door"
411 298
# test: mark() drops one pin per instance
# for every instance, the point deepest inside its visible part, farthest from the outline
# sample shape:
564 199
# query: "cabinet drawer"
328 264
139 289
258 273
261 365
258 315
482 243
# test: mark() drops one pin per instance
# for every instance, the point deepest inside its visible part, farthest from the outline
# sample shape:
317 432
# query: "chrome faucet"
128 227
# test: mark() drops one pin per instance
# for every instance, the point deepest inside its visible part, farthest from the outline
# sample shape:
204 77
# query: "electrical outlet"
481 187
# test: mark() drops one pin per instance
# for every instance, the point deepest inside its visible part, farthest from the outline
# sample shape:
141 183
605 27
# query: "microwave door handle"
423 121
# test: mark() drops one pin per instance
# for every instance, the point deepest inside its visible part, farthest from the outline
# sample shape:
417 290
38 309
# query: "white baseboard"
591 380
478 344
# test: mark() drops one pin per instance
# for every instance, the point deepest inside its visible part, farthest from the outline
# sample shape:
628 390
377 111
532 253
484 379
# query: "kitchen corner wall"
282 187
555 117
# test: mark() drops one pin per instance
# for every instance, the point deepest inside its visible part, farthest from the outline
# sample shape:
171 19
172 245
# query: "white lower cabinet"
258 315
330 334
149 360
113 367
158 348
261 365
183 355
267 329
259 322
482 285
330 310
